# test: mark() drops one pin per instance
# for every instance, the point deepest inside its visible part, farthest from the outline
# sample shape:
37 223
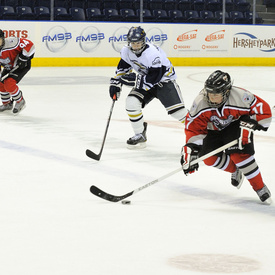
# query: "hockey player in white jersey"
156 78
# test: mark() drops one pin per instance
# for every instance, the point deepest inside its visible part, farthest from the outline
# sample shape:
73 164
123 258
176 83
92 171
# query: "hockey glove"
247 126
128 79
189 153
22 61
115 88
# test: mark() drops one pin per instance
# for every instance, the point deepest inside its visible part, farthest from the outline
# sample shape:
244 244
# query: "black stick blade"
92 155
103 195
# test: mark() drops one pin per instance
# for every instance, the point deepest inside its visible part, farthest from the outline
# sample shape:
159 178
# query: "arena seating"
176 11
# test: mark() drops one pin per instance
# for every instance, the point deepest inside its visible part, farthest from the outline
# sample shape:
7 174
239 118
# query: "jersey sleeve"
27 47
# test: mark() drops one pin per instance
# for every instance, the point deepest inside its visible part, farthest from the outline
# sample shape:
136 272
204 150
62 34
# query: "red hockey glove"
189 153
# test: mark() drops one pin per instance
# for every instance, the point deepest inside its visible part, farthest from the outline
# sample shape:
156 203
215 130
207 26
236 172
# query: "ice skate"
138 141
19 106
237 178
6 107
264 195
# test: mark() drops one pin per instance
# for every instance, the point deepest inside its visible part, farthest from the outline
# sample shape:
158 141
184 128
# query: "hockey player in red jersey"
15 60
222 113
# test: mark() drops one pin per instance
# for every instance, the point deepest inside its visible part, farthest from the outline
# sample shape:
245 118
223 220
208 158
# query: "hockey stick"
98 192
8 74
91 154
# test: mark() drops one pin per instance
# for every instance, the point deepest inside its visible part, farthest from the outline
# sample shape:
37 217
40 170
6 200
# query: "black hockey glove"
115 88
22 61
128 79
247 126
189 153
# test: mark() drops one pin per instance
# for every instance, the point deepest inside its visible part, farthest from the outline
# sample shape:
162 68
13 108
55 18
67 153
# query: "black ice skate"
237 178
264 194
19 106
6 107
138 141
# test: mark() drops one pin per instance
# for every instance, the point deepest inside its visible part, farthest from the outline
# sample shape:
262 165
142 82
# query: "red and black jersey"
13 47
202 117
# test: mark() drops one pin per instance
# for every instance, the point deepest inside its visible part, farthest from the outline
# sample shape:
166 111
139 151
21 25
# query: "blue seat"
28 3
111 15
229 5
197 5
169 5
184 5
125 4
147 15
94 14
213 5
110 4
128 15
61 14
93 4
219 16
176 16
192 16
7 13
249 17
155 4
25 13
161 16
11 3
43 3
136 4
207 17
242 5
77 14
78 4
42 13
62 4
237 17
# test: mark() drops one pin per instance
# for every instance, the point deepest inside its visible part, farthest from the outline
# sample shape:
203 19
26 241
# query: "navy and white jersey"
152 65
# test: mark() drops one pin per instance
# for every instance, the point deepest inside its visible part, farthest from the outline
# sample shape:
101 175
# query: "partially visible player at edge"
14 52
222 113
156 79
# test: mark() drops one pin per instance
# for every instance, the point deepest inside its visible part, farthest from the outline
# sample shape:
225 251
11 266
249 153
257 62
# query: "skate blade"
15 114
137 146
268 201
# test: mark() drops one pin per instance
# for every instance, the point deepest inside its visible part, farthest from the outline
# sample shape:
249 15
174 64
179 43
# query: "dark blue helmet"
135 35
217 83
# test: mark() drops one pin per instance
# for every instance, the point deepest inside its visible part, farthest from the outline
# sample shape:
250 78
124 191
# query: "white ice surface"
50 224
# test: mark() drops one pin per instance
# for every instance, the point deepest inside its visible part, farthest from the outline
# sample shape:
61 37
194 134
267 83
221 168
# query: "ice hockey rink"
52 225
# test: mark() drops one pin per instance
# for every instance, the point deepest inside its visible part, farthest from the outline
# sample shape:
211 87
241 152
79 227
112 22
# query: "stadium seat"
136 4
170 5
161 16
62 4
242 5
93 4
110 4
125 4
208 17
176 16
25 13
11 3
78 4
249 17
42 13
155 4
219 16
229 5
192 16
94 14
7 13
184 5
111 15
77 14
28 3
43 3
61 14
147 15
197 5
237 17
213 5
128 15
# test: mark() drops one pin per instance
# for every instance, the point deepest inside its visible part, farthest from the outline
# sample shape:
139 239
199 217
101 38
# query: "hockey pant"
169 95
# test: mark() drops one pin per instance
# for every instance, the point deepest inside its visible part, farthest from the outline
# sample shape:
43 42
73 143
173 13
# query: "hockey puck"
126 202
